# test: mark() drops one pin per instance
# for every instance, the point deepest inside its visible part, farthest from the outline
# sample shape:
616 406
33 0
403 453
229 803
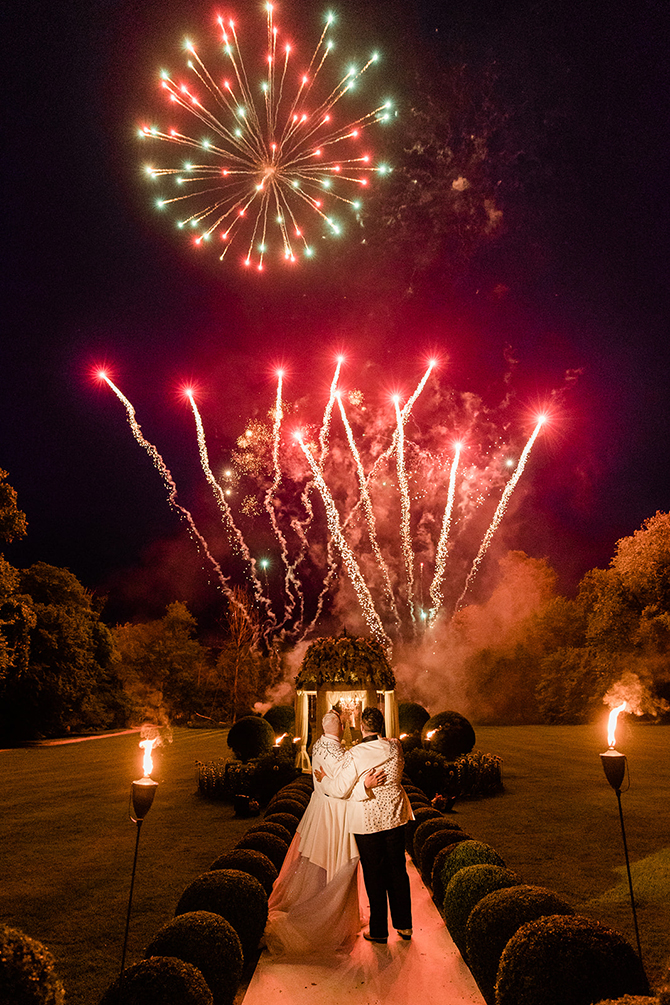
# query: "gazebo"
348 673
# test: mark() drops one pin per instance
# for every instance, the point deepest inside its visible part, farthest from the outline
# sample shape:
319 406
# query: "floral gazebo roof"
356 662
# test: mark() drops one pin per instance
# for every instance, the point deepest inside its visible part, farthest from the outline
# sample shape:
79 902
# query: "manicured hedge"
437 886
420 814
27 971
210 943
412 717
433 845
236 896
465 890
268 844
268 826
425 829
288 820
159 980
452 735
255 863
493 922
564 960
469 853
251 737
287 805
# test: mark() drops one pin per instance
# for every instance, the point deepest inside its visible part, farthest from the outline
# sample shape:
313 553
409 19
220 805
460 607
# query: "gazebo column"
302 760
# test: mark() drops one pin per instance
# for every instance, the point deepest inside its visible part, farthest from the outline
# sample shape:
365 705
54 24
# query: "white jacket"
378 809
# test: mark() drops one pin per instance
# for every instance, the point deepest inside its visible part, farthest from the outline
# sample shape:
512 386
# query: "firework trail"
171 486
292 587
369 513
442 545
272 163
301 528
500 511
235 536
405 529
360 586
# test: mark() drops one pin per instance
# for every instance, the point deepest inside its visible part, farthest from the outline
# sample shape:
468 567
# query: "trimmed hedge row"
524 944
199 957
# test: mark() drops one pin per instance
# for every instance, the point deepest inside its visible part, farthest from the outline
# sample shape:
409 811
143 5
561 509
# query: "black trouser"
385 875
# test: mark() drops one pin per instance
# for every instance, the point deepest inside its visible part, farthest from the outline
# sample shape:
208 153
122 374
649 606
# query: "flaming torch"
142 792
614 765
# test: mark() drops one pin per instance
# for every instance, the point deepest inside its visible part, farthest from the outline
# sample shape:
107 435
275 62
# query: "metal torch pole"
630 878
130 897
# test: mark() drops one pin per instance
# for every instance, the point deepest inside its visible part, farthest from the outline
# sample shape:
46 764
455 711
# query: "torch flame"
611 723
430 734
403 736
279 739
148 764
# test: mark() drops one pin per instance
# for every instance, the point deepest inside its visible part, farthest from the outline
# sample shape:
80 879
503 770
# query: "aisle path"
428 970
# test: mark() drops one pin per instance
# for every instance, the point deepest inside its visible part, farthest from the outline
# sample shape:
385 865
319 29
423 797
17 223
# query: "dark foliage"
493 922
288 820
159 980
250 737
251 861
564 960
470 776
236 896
412 717
425 829
287 805
281 718
452 735
268 844
268 826
434 844
465 890
210 943
420 814
346 660
437 886
27 971
470 853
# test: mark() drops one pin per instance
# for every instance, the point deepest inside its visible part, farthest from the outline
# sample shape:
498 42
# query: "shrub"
452 735
273 771
636 1000
410 741
479 775
567 960
158 980
493 922
470 853
434 844
288 820
425 829
432 773
304 781
420 814
286 805
210 943
437 886
250 737
281 718
27 971
236 896
268 844
251 861
412 717
295 795
268 826
465 890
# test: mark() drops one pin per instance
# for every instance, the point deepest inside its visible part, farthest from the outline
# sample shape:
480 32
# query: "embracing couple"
357 813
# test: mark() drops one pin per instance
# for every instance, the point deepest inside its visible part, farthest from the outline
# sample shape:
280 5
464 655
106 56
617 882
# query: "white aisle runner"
428 970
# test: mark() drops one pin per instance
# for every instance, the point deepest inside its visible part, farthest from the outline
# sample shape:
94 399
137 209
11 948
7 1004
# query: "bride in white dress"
313 907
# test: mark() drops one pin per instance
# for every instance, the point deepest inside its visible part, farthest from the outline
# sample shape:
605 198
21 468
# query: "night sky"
571 104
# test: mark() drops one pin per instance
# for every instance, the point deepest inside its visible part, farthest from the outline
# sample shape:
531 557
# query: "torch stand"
614 766
142 794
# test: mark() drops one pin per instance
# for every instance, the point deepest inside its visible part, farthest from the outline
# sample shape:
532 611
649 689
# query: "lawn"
68 843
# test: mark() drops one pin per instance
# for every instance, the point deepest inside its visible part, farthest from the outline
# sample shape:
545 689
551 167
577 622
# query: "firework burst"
276 160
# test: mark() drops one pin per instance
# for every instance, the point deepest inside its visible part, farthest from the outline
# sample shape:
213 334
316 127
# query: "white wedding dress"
313 907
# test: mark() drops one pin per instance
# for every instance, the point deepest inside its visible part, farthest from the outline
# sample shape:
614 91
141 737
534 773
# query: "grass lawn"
67 843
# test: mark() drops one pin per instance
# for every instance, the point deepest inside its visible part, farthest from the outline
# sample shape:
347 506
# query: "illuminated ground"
429 969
